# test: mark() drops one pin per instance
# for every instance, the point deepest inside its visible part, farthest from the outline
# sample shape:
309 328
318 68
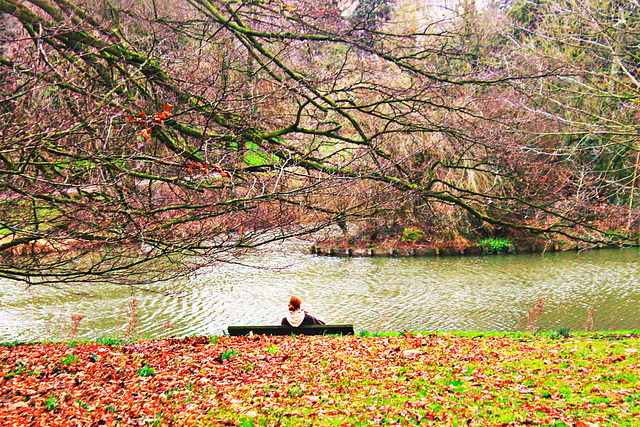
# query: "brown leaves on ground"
435 379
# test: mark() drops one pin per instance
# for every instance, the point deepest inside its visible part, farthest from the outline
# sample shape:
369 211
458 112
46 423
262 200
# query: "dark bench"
238 331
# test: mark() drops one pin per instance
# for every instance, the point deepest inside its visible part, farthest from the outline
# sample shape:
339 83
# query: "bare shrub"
74 326
533 316
588 325
133 322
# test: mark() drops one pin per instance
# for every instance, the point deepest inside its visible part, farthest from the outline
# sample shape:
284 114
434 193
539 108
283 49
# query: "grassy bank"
429 379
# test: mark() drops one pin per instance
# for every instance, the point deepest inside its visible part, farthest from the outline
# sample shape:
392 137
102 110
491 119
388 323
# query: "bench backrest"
236 331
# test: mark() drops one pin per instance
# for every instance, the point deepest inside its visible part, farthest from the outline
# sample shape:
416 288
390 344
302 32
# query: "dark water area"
598 290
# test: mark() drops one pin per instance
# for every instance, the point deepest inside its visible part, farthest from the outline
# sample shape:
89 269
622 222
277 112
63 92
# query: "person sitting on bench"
298 317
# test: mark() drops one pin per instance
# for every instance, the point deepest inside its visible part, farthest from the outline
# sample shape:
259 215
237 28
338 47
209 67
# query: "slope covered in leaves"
404 380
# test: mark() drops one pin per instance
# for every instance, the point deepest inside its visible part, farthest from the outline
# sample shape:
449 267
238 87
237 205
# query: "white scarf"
295 318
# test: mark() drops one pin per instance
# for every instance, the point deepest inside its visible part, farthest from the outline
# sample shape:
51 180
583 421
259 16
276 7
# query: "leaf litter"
431 379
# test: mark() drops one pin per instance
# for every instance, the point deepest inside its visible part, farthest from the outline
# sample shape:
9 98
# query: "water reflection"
382 294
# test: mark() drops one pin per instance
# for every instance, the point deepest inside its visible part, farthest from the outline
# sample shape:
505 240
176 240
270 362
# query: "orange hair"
294 303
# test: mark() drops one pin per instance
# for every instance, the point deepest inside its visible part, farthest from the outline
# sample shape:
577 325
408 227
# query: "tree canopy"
155 138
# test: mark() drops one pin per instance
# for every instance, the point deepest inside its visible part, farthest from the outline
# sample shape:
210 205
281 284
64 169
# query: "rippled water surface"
492 293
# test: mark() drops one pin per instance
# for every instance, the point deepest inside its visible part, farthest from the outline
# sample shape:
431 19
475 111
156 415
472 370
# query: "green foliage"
110 341
146 371
9 344
228 354
70 359
158 418
412 235
83 404
370 13
296 390
21 368
606 156
526 12
496 246
257 158
255 155
560 333
369 17
51 403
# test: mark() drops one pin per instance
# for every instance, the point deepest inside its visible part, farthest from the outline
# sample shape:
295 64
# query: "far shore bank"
328 249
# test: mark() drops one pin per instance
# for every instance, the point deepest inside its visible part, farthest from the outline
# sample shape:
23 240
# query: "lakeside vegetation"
555 379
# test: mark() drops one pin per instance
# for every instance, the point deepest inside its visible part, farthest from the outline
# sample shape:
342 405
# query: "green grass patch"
70 359
228 354
111 341
146 371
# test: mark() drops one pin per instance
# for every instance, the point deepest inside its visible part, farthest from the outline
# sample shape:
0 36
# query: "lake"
597 290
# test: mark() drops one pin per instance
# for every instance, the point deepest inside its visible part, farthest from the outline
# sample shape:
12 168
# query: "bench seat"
238 331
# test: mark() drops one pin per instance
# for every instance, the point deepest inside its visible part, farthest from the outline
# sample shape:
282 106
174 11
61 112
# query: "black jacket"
308 320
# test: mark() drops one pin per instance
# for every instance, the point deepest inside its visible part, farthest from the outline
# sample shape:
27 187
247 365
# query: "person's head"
294 304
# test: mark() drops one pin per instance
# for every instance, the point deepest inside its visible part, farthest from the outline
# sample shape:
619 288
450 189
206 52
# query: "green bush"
560 333
496 246
412 235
